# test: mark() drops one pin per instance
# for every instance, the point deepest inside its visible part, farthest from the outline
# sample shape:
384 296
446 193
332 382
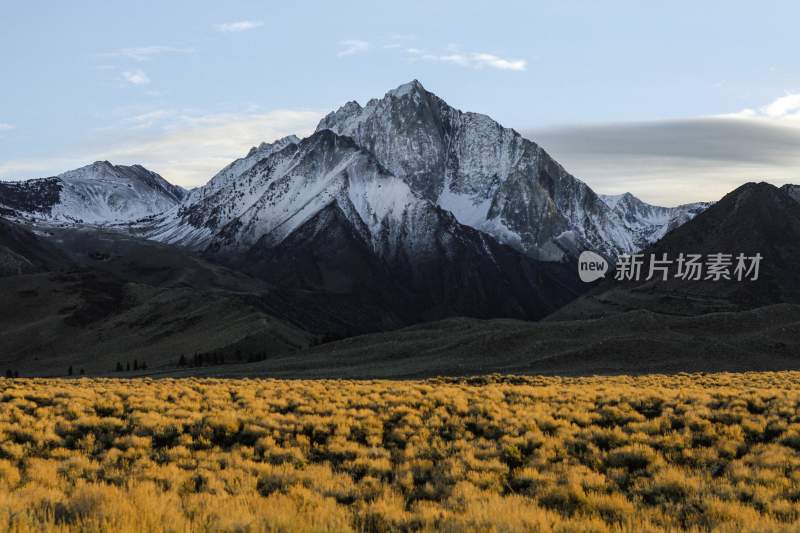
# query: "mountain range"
756 218
399 212
488 176
635 327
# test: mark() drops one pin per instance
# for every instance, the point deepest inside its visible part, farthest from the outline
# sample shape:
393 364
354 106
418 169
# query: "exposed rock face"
648 223
489 177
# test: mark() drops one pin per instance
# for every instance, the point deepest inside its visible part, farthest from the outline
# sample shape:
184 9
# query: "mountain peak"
98 193
749 209
98 165
488 176
613 200
277 144
758 197
350 107
405 98
414 86
757 188
646 222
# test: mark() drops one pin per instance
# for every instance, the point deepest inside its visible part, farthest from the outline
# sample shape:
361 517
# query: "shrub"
634 457
493 453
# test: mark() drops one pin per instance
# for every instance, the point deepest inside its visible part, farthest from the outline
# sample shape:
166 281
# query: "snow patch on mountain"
100 193
648 223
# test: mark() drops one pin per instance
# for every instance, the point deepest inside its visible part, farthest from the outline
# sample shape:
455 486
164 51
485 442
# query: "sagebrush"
650 453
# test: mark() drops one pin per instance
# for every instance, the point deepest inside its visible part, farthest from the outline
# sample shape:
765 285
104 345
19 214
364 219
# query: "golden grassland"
650 453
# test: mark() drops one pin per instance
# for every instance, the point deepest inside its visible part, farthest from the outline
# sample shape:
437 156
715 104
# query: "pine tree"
69 370
82 373
182 360
144 365
128 366
119 367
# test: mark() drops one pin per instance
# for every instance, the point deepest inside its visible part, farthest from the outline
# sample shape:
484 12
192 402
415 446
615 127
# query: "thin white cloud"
136 77
240 25
744 113
351 47
477 60
455 59
5 126
483 59
146 53
186 149
786 107
150 118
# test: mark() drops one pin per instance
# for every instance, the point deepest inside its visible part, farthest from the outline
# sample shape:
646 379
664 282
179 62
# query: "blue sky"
184 87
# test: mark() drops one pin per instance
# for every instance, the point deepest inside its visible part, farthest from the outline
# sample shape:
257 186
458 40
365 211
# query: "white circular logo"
591 266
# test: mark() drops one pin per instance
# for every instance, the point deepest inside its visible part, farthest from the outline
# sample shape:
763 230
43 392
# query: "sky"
674 101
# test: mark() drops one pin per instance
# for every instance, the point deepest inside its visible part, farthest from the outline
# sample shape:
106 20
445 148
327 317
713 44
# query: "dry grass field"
653 453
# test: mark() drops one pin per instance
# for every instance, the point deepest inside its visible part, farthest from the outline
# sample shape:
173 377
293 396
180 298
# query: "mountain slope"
489 177
647 223
762 339
24 252
112 298
323 214
754 218
792 190
99 193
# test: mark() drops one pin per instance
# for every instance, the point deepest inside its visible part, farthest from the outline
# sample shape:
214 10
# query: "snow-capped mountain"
323 213
100 193
267 195
648 223
407 205
488 176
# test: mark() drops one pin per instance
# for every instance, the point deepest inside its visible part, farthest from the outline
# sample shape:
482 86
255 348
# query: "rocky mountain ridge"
100 193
